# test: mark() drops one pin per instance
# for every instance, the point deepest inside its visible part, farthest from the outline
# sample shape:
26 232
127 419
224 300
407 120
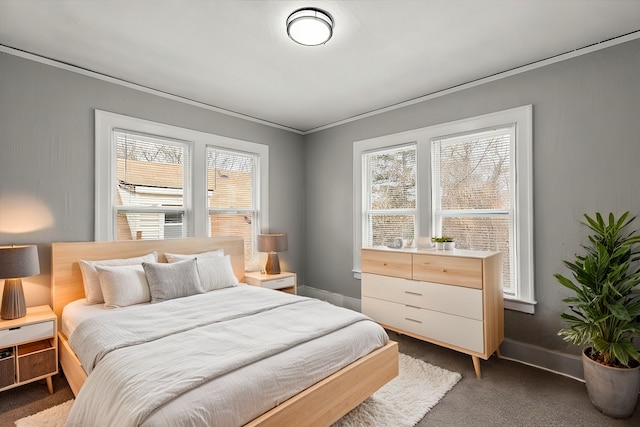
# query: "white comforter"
220 358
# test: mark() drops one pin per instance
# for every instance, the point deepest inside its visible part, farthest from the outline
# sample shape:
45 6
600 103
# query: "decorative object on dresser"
29 348
453 298
284 281
16 262
272 243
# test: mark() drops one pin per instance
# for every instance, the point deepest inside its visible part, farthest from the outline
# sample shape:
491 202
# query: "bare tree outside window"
472 193
391 195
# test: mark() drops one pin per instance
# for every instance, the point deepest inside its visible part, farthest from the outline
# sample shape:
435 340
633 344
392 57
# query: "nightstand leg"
50 385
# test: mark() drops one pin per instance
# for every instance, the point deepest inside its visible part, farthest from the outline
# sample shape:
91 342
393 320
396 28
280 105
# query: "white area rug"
52 417
405 400
400 403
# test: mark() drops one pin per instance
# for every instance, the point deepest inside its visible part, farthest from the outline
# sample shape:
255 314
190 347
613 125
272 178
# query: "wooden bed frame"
321 404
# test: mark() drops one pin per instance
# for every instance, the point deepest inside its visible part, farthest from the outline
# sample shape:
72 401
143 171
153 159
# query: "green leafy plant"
605 310
441 239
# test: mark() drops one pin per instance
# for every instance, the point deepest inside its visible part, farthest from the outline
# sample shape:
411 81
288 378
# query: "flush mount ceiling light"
310 26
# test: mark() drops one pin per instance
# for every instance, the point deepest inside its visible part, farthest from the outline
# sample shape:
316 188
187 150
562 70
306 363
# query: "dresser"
449 298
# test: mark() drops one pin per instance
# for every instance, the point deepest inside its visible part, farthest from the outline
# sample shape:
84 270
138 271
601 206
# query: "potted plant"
603 314
445 243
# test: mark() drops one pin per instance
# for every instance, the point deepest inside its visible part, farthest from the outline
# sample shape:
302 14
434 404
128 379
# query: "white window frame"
198 211
522 117
366 202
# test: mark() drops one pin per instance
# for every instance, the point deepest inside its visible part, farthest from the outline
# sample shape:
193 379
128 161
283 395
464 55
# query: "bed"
320 403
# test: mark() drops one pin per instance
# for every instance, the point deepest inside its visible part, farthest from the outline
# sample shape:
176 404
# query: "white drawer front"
456 300
279 283
455 330
26 333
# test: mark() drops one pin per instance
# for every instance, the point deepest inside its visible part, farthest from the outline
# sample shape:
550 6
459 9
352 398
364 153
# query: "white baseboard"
334 298
550 360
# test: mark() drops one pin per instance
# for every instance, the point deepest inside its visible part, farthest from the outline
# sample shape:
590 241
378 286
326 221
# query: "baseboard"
550 360
332 297
565 364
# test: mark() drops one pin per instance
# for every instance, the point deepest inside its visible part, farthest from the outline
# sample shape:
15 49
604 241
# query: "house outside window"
157 181
470 180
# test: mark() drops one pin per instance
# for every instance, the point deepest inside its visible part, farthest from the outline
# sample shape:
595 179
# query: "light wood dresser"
450 298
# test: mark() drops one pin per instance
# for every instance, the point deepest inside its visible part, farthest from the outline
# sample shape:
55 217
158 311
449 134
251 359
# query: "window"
472 193
390 199
156 181
231 195
471 181
152 176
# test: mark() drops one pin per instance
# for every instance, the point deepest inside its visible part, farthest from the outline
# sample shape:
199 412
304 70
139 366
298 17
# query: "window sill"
519 305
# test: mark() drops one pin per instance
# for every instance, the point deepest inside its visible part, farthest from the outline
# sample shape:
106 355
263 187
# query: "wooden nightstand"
284 281
29 348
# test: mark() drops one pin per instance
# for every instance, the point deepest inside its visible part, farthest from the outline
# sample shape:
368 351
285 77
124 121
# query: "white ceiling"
236 56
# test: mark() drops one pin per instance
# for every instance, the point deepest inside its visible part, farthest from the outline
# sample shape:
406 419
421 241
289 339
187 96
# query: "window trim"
523 118
105 170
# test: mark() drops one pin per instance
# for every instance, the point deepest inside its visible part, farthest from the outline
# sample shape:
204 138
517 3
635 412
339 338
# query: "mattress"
237 394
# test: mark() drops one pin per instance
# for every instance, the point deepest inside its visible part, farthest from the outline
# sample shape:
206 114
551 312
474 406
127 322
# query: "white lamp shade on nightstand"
16 262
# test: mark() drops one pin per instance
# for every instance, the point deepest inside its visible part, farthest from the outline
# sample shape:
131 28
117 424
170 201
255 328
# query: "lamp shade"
272 242
18 261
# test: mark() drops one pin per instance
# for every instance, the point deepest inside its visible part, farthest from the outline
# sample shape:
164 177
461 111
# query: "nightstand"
284 281
29 348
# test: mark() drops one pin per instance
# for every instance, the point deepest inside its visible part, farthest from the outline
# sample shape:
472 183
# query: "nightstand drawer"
26 333
41 361
285 282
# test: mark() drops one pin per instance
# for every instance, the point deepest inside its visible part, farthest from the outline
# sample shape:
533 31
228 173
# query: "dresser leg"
498 352
476 365
50 385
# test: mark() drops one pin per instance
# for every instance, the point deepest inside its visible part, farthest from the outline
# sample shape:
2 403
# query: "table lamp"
16 262
272 243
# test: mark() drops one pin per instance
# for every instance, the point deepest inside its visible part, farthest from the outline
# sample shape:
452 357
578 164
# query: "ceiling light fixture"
310 26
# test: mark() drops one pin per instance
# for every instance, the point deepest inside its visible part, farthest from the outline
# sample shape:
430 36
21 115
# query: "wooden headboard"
66 277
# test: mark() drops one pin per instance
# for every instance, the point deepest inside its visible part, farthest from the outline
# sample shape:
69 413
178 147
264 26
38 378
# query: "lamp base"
273 264
13 305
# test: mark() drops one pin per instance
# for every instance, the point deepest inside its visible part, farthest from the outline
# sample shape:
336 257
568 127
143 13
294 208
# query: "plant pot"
613 391
439 246
449 246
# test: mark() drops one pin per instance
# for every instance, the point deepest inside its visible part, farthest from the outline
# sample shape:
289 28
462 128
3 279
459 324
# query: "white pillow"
216 273
183 257
123 285
92 290
176 280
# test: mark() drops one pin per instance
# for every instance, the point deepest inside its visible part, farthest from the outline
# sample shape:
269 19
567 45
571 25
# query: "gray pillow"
175 280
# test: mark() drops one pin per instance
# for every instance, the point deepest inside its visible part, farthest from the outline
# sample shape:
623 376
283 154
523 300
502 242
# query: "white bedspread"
220 358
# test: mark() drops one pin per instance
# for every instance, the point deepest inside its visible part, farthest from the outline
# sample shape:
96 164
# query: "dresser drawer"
442 327
447 269
386 263
285 282
456 300
26 333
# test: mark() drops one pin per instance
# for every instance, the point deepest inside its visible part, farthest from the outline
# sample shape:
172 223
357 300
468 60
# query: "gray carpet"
509 394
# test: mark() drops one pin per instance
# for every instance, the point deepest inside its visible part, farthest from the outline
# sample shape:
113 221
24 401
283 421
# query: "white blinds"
472 193
390 193
153 176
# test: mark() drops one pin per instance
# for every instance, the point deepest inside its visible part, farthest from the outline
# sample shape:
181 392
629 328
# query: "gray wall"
586 152
47 155
586 156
